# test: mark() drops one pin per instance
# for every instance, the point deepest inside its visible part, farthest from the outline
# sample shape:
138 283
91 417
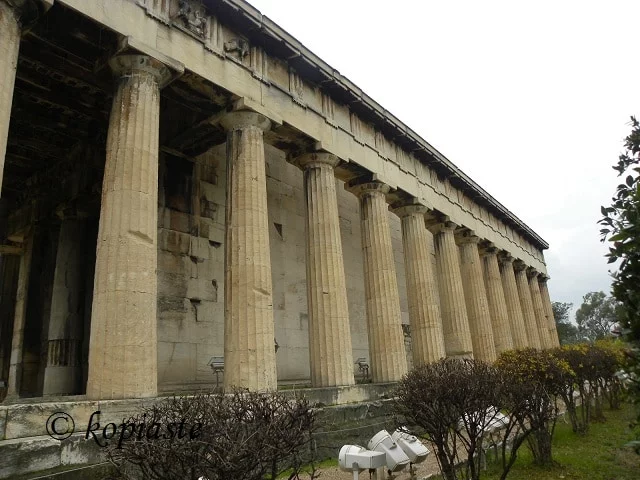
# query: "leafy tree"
567 331
621 222
597 314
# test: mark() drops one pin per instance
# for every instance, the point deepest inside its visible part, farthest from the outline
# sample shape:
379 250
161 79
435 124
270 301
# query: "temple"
184 184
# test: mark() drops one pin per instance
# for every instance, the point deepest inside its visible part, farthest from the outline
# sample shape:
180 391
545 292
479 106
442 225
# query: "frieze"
192 16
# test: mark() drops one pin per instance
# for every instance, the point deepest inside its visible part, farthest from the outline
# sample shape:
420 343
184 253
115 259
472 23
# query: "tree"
567 331
597 314
621 222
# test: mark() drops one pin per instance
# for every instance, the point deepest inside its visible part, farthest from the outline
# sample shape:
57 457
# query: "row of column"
468 307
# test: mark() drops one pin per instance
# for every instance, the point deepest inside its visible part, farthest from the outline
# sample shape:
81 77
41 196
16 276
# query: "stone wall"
191 268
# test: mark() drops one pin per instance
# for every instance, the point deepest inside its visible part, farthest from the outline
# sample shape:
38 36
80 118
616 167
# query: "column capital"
519 265
467 236
241 119
487 248
136 64
404 209
72 212
443 226
532 272
505 258
543 278
316 159
360 188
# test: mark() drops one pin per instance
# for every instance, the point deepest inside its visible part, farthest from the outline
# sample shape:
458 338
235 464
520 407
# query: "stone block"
23 456
172 241
178 221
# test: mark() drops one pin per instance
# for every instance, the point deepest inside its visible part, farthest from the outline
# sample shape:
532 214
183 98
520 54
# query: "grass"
599 455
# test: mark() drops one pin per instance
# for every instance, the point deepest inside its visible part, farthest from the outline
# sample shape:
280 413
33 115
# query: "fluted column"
123 341
250 359
475 296
546 302
422 290
526 303
384 325
63 371
455 322
501 328
9 46
538 308
512 299
14 15
330 347
20 317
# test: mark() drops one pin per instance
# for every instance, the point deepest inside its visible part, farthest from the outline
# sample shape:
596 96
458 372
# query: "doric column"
546 302
455 322
422 290
20 317
538 308
330 347
475 296
123 341
63 372
14 14
526 303
502 338
384 324
9 47
249 354
512 299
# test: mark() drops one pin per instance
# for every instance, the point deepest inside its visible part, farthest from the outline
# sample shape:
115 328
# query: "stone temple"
184 185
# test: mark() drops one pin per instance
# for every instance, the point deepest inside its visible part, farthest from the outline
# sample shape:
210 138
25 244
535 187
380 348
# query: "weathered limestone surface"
501 327
526 303
539 310
476 300
546 301
123 344
386 344
63 373
329 332
249 330
512 298
20 316
422 290
455 322
9 47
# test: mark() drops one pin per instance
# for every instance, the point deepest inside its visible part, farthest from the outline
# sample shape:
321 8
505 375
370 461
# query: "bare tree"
452 402
245 435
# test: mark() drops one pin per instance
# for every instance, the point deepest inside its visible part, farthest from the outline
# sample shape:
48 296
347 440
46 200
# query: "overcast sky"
530 98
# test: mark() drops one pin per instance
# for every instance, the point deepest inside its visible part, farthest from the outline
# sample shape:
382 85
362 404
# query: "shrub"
244 435
453 403
535 377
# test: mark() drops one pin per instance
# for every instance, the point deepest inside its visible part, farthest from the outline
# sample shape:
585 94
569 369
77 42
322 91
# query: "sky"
532 100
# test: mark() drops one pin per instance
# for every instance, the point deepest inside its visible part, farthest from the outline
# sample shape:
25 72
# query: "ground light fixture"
396 459
411 446
354 458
